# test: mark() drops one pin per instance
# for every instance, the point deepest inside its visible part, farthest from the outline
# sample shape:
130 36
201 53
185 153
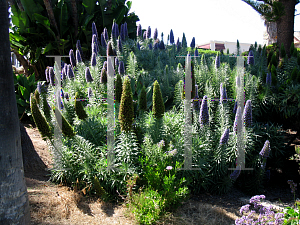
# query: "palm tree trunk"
285 25
14 205
50 13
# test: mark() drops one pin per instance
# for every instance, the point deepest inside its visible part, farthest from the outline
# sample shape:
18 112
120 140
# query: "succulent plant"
72 58
93 59
78 56
247 115
250 59
148 35
158 107
121 68
88 76
204 115
171 37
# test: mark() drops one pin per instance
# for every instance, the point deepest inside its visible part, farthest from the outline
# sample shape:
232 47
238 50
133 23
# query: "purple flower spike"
265 151
236 173
51 76
269 79
78 56
70 72
155 34
178 45
103 41
105 65
223 94
94 44
117 62
105 34
171 37
72 58
150 46
138 46
78 47
122 32
217 62
196 53
161 45
225 137
119 44
237 118
155 46
94 29
121 68
39 87
250 59
116 31
247 115
148 33
88 76
204 116
139 31
145 35
193 44
90 93
93 60
125 30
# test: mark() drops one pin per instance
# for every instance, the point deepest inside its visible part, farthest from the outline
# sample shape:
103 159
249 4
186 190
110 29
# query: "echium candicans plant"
93 59
117 62
161 45
125 30
158 107
122 32
193 44
139 31
223 94
78 47
47 74
155 34
103 76
126 112
138 46
150 46
70 72
109 49
148 36
155 47
238 116
121 68
250 60
217 61
116 30
105 34
105 65
94 44
247 114
103 41
196 101
196 53
72 58
143 100
51 76
145 35
225 136
119 44
171 37
265 151
94 29
183 42
88 76
78 57
204 115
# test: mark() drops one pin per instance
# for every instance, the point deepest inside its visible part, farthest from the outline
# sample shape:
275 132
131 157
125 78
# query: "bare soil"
56 204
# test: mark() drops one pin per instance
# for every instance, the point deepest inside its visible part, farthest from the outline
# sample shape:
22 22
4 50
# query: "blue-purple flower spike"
155 46
145 35
138 46
265 151
204 116
78 56
217 61
51 76
247 115
148 33
161 45
269 79
223 94
119 44
125 30
94 44
122 34
78 47
88 76
193 43
155 34
116 31
72 58
64 73
139 31
150 46
171 37
237 117
103 41
196 53
250 59
105 34
121 68
117 62
93 60
225 137
94 29
70 72
178 45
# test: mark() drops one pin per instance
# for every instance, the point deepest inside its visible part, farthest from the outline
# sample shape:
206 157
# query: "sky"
206 20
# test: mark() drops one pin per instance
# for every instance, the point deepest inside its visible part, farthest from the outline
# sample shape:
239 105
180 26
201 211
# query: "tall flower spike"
72 58
225 137
145 35
103 77
178 45
51 76
139 31
119 44
223 93
236 173
171 37
116 30
93 60
237 118
88 76
148 33
125 30
217 61
269 79
105 34
196 53
247 115
117 62
204 116
161 45
78 47
78 56
265 151
155 46
155 34
150 46
94 29
138 46
193 44
70 72
122 32
105 65
250 59
63 73
121 68
94 44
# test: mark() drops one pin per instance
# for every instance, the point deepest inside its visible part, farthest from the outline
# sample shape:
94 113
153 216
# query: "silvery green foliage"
250 59
139 31
171 37
88 76
269 79
72 58
148 33
78 56
70 72
78 47
155 34
217 61
225 137
51 76
265 151
121 68
193 44
247 115
204 115
93 59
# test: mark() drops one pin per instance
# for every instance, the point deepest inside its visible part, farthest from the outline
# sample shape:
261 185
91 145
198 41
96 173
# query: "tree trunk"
50 13
74 16
14 205
285 25
24 62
